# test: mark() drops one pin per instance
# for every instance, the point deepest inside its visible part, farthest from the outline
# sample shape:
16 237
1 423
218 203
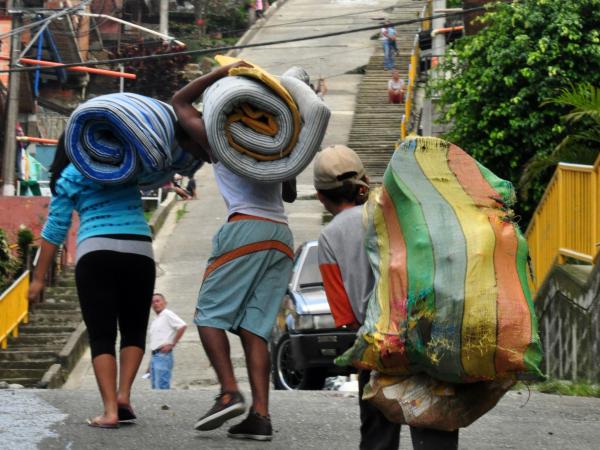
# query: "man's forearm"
194 89
178 334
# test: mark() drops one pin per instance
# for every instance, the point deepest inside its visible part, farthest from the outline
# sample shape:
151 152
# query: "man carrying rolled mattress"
342 187
245 278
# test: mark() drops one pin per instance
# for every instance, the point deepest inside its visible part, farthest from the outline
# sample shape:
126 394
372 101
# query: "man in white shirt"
165 332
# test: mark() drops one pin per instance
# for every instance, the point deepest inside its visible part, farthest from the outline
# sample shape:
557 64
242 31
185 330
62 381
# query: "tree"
499 79
157 78
581 145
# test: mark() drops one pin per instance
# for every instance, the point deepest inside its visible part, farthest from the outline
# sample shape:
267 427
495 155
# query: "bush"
157 78
8 265
24 240
529 51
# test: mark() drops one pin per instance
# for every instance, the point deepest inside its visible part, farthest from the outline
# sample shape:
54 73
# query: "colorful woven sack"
452 296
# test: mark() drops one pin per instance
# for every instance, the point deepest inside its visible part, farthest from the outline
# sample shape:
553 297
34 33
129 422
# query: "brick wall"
31 212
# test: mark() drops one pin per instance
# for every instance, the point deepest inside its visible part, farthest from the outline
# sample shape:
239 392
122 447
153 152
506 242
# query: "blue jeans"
388 55
161 368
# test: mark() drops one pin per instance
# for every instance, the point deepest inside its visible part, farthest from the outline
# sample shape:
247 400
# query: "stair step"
18 355
25 382
7 374
33 365
46 329
66 293
41 340
57 318
57 306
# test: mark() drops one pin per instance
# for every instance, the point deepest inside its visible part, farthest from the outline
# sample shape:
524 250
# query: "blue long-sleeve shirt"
103 209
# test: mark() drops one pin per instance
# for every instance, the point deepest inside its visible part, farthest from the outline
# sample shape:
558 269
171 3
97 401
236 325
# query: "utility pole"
438 42
164 17
12 109
438 49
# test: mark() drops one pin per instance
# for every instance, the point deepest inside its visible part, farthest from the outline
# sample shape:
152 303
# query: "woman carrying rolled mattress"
114 274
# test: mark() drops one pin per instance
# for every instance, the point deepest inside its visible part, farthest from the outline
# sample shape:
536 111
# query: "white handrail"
133 25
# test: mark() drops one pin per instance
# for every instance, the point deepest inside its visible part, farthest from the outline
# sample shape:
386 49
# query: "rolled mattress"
125 137
261 133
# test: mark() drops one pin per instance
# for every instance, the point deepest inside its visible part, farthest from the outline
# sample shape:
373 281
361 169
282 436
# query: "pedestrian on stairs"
114 274
388 40
395 88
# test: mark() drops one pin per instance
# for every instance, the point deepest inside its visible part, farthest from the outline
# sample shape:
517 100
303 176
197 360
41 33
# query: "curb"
53 378
158 218
70 354
256 26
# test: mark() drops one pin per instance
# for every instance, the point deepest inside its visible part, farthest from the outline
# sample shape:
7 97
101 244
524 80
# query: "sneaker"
227 406
254 427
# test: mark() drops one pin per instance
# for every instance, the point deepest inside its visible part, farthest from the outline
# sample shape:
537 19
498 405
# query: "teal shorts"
246 277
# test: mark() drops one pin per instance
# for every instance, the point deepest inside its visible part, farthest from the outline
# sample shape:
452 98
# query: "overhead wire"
233 31
36 23
98 24
251 45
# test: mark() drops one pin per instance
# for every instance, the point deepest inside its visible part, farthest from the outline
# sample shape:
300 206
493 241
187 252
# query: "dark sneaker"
227 406
254 427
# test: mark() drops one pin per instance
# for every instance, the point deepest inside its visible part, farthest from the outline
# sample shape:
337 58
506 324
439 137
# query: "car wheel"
286 377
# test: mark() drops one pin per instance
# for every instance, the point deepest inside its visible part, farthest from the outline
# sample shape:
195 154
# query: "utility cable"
240 47
36 23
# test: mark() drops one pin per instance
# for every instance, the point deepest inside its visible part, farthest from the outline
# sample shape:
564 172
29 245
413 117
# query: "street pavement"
55 419
325 420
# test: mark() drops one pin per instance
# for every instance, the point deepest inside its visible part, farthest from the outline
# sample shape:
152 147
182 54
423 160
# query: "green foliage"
7 263
227 17
563 387
582 123
24 240
181 212
528 52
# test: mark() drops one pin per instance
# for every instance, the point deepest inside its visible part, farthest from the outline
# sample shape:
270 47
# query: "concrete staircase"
53 339
376 123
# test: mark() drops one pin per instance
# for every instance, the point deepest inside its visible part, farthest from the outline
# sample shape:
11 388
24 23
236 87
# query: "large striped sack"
263 128
122 138
451 297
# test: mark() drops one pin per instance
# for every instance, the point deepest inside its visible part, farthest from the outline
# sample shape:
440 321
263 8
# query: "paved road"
302 421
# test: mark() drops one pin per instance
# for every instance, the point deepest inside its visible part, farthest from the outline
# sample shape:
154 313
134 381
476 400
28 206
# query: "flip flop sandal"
126 414
95 424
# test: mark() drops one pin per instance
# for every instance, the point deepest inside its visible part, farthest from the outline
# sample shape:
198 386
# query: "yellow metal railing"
14 309
410 89
413 71
566 223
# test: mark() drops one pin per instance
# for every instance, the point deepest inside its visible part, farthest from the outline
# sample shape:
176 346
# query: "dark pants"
115 291
378 433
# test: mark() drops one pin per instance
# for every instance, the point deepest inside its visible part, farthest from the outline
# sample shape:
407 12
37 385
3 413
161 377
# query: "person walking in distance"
245 278
388 40
165 332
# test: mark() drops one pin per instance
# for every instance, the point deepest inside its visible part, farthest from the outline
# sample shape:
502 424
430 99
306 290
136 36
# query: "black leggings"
115 288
